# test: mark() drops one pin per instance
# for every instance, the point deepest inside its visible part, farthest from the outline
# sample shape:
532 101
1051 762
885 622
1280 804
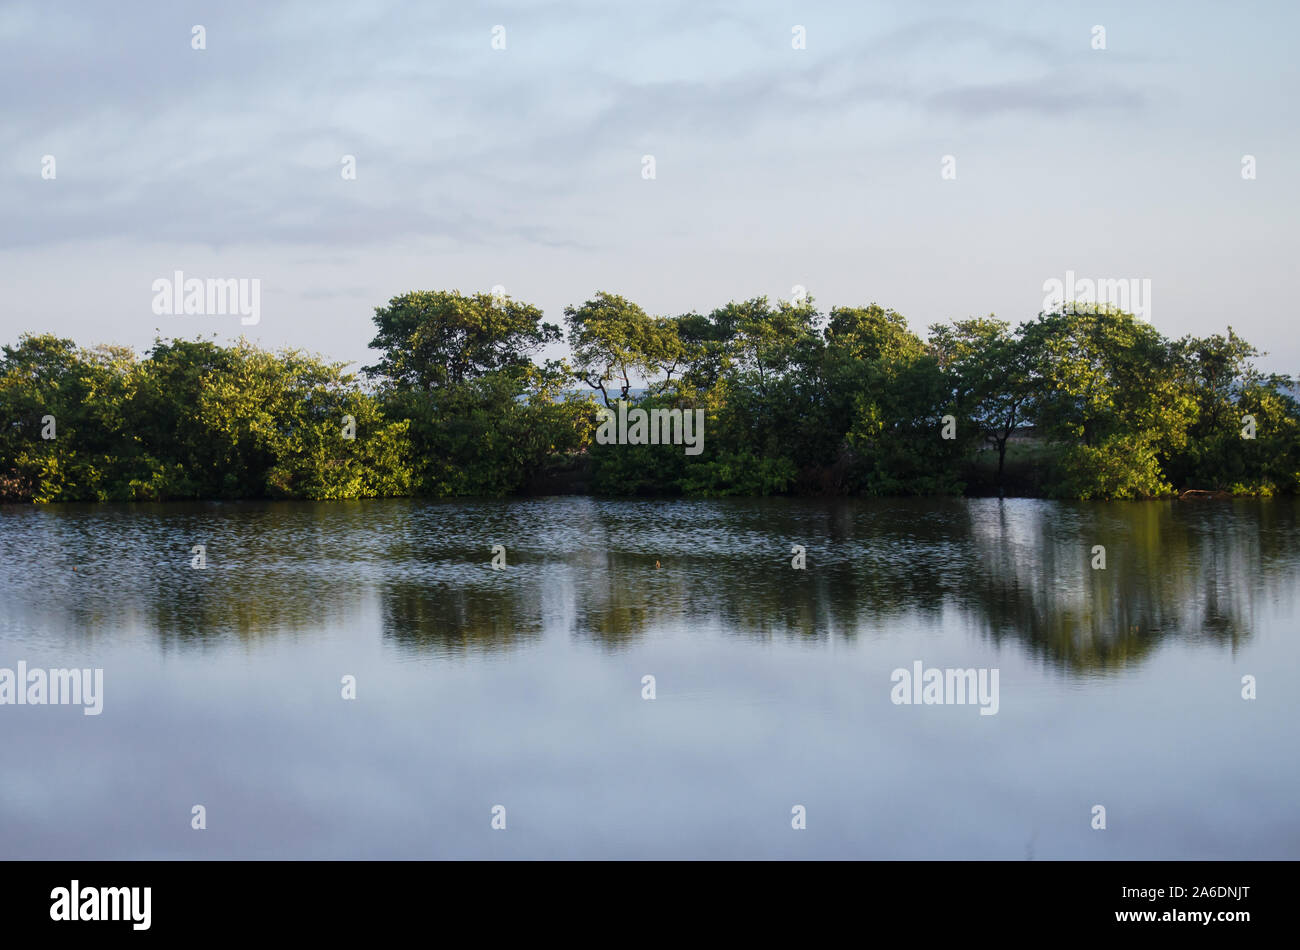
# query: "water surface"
523 687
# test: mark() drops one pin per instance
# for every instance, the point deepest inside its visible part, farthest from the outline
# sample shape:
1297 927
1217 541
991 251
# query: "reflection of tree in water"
1173 569
129 566
868 567
727 565
460 620
251 608
622 599
1015 571
1018 570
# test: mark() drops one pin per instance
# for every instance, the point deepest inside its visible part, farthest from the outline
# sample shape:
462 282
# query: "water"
523 687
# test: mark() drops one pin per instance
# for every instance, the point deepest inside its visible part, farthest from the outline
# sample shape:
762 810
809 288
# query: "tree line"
1084 403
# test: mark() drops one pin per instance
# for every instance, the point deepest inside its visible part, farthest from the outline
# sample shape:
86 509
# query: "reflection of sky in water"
522 687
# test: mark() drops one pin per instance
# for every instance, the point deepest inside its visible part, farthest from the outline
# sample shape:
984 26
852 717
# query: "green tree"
81 392
988 372
439 338
1224 387
1109 391
614 342
890 394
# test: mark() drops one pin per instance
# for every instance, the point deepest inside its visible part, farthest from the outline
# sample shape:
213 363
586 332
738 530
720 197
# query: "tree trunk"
1002 459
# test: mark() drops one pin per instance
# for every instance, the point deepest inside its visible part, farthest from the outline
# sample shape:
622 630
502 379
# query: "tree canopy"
1086 402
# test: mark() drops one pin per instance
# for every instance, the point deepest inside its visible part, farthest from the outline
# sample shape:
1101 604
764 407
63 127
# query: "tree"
1108 389
613 340
854 402
989 378
81 392
872 333
432 339
1218 371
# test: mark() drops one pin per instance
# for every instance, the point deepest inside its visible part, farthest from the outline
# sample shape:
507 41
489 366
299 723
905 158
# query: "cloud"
454 142
1054 96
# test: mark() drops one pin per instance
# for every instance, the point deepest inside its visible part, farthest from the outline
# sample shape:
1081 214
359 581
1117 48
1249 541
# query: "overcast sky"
522 167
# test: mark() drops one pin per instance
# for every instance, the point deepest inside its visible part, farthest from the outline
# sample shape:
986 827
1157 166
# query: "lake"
774 690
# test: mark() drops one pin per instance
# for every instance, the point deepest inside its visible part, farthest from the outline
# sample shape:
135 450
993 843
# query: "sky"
523 167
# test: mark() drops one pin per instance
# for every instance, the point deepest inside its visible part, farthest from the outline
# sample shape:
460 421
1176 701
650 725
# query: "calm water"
523 687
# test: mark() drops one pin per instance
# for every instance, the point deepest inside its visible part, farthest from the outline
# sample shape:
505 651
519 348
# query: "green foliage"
889 393
1089 403
613 340
191 420
1122 466
638 469
1270 463
742 473
482 418
1224 388
441 338
988 374
1112 392
896 430
491 435
83 393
